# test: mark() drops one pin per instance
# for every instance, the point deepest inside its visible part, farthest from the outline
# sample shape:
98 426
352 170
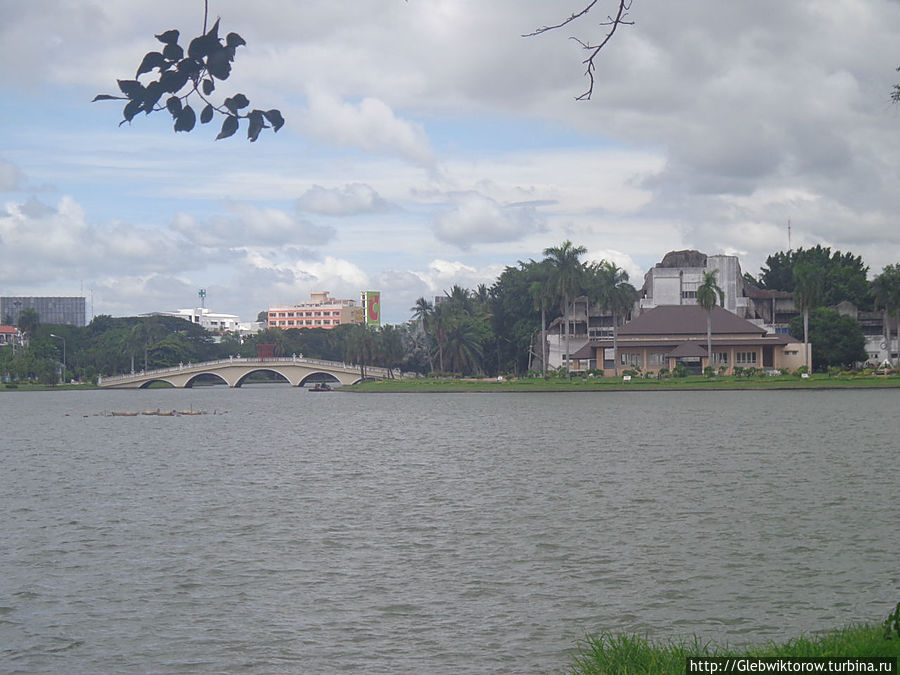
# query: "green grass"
636 384
607 653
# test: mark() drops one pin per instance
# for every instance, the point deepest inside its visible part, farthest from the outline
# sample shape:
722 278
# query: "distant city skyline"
428 144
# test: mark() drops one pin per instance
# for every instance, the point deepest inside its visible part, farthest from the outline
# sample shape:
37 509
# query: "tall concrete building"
69 311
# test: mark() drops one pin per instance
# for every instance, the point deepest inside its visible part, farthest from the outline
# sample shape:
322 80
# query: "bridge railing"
205 365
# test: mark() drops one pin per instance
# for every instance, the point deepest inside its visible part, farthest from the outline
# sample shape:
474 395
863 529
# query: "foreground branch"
612 22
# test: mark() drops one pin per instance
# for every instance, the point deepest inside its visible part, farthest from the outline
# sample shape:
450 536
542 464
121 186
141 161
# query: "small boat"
116 413
321 386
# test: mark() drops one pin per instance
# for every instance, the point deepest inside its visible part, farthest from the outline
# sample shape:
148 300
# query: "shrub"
680 370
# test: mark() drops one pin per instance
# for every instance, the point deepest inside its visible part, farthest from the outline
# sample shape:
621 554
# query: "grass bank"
21 386
606 653
449 385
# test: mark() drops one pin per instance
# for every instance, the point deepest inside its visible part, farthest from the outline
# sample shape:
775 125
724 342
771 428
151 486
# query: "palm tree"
566 277
610 289
707 294
422 312
807 293
389 347
360 346
886 289
441 317
463 343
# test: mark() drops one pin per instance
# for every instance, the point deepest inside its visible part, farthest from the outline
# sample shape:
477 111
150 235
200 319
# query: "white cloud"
43 243
248 225
370 125
11 177
476 219
351 199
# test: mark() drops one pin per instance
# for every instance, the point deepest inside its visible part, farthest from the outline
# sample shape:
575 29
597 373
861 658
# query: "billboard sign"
372 306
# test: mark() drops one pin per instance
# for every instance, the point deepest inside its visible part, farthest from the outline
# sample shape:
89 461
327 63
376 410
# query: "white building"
213 321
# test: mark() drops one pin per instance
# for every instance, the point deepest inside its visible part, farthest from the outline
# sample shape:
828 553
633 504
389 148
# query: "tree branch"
612 22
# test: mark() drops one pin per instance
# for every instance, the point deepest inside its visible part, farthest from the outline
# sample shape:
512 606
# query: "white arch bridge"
234 371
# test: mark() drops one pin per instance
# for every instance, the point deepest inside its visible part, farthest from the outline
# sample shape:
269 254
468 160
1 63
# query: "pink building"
320 312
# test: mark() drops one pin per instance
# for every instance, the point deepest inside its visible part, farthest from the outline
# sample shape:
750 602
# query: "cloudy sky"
428 144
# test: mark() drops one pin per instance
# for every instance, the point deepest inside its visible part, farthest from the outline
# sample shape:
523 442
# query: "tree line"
486 331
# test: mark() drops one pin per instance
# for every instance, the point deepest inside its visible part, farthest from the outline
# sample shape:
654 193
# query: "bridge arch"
283 378
205 376
149 383
319 376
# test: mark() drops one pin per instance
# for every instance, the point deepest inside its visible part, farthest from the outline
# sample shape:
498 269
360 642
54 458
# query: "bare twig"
612 22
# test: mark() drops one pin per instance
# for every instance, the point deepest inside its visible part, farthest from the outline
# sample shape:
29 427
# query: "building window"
689 294
745 358
290 323
721 357
658 359
630 359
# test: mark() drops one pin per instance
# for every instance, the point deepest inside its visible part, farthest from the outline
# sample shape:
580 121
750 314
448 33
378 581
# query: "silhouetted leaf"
206 114
275 119
234 40
132 88
173 105
214 31
131 109
169 37
173 80
151 60
236 102
218 64
256 124
152 95
229 126
190 67
173 52
208 86
202 46
107 97
186 119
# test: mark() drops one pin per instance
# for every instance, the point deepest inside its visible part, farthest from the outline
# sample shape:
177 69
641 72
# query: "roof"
688 320
586 352
688 349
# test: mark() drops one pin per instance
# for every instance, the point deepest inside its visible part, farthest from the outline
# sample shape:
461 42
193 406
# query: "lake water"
397 533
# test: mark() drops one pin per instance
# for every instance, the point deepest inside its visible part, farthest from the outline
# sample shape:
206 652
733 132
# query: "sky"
427 143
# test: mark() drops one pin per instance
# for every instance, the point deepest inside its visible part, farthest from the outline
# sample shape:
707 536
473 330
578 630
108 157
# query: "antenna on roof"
789 234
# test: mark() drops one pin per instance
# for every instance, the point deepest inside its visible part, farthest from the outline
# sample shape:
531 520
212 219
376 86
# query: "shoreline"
581 384
697 383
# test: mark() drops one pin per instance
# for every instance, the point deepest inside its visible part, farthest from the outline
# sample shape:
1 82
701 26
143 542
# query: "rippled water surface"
398 533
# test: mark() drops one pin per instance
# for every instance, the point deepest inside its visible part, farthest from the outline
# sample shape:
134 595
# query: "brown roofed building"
667 335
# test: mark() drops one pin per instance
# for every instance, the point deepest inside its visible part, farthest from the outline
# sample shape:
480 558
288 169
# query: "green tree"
359 347
389 347
542 299
463 340
807 294
708 292
610 289
844 275
566 279
839 339
422 313
886 291
28 321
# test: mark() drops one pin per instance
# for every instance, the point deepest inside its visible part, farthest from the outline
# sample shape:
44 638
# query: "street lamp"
63 378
